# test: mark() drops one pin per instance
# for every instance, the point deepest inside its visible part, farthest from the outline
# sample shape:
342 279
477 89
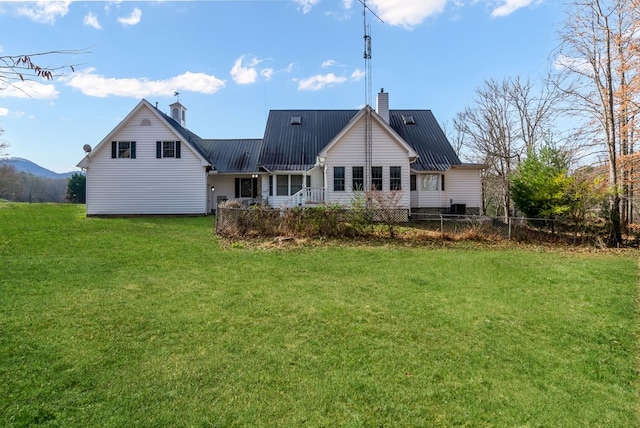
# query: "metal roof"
288 147
239 155
295 147
435 153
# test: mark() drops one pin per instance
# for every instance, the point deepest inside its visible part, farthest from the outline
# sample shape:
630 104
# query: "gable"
146 123
379 125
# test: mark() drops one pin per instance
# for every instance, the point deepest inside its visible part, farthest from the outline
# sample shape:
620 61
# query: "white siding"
350 152
146 185
463 187
225 186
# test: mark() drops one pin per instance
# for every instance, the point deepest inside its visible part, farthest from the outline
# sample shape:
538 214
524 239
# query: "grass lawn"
152 322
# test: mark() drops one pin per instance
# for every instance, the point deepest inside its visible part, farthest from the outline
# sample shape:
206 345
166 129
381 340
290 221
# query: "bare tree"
599 53
507 118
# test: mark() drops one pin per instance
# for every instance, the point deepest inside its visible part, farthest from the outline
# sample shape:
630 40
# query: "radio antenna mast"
368 134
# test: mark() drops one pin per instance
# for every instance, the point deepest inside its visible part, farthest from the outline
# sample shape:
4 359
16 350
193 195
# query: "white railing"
306 195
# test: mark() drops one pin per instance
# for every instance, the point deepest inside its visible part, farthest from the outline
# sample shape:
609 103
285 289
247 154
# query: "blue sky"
233 61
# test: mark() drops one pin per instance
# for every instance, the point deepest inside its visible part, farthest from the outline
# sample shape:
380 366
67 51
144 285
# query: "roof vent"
296 120
408 119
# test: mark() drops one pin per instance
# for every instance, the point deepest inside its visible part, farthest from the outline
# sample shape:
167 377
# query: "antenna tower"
368 134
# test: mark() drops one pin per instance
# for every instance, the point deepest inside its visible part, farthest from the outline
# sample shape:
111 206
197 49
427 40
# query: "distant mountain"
24 165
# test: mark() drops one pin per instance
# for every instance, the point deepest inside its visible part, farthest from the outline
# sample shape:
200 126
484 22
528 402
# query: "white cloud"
96 85
357 75
509 6
243 75
406 13
579 65
320 81
29 89
92 21
306 5
267 73
347 3
328 63
247 72
4 111
132 19
45 12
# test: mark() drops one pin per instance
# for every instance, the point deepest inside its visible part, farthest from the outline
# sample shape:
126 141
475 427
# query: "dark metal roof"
295 147
287 147
427 139
240 155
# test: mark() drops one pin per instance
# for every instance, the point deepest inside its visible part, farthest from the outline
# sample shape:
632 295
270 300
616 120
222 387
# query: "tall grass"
152 322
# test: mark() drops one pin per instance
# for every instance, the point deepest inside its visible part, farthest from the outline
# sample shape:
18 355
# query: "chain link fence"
334 221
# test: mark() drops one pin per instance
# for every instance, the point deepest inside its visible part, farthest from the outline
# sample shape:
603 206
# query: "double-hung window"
395 178
376 178
167 149
357 173
123 149
338 179
282 185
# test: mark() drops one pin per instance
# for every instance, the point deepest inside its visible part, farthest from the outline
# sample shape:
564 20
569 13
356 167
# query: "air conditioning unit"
459 209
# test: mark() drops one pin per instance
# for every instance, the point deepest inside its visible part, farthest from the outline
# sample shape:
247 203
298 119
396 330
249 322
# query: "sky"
233 61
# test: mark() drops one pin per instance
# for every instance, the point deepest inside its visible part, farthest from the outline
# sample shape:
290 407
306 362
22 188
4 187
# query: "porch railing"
306 196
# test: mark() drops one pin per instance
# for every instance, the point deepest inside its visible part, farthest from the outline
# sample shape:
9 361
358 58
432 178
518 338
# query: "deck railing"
306 196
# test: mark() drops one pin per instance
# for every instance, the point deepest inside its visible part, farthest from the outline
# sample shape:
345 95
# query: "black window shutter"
254 191
237 187
442 180
177 149
158 149
271 185
133 150
114 150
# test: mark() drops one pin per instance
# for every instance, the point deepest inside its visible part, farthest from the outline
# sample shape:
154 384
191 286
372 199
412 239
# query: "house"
150 163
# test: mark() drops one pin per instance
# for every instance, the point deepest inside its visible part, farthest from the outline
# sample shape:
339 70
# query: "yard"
156 322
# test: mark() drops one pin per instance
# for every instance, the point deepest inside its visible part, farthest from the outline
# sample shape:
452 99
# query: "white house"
152 164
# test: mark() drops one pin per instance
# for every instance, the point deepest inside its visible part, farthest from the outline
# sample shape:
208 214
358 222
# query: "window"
358 178
247 187
167 149
338 179
123 149
395 178
412 183
430 182
376 178
282 185
288 185
145 122
408 119
296 184
296 120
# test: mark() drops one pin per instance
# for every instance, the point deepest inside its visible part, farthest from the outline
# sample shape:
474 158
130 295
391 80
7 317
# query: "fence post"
441 227
509 222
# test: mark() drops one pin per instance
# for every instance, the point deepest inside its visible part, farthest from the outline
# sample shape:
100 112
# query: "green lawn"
152 322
